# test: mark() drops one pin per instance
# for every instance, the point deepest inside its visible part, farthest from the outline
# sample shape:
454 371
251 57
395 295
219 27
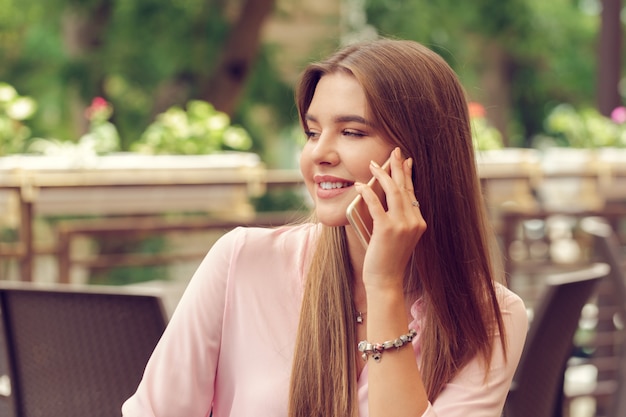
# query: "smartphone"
359 215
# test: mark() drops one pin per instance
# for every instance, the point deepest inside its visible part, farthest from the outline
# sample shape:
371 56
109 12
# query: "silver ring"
415 203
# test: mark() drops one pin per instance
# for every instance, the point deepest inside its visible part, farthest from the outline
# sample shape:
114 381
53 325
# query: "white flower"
7 93
21 108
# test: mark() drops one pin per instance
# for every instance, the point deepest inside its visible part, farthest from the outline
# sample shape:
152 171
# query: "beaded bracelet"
377 349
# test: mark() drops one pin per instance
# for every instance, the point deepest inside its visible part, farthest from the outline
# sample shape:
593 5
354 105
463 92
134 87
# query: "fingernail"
410 162
374 163
358 186
397 153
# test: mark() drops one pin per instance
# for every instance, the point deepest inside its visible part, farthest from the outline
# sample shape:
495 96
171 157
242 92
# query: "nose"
324 151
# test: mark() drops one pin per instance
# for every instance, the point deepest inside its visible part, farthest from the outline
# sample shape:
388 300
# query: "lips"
329 186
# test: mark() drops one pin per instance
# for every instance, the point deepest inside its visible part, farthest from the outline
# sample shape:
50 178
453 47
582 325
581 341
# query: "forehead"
338 93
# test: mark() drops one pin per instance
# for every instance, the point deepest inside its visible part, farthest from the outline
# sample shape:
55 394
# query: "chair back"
608 248
76 352
537 388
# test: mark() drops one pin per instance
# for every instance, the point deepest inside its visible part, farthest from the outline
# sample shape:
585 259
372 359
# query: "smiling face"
341 142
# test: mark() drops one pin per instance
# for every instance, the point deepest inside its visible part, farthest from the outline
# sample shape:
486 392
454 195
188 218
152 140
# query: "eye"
311 134
353 133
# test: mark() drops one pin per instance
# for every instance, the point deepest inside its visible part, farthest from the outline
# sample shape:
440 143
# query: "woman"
303 320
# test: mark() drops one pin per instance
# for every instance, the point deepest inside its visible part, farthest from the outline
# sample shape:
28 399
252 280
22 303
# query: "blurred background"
123 122
128 126
135 133
526 62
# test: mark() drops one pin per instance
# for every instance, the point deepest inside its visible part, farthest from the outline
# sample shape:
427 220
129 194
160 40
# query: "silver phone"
359 215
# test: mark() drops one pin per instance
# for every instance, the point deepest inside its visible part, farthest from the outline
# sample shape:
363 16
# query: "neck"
357 256
356 252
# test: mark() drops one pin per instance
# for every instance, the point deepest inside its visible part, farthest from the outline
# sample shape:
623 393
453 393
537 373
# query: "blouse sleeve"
472 393
179 377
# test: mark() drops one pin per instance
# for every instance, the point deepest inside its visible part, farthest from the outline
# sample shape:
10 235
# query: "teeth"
333 185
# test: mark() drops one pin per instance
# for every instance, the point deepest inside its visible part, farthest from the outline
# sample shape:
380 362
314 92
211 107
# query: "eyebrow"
342 119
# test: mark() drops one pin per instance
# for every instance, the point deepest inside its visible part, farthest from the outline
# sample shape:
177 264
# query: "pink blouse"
229 344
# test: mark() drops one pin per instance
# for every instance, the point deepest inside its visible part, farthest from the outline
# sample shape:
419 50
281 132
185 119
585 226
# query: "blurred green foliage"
101 137
14 110
123 275
484 135
567 126
281 200
64 52
201 129
549 48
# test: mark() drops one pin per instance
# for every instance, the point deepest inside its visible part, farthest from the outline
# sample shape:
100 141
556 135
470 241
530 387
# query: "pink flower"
476 110
98 103
99 109
618 115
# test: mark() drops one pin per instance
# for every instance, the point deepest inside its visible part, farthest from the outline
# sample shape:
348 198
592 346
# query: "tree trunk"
83 33
225 86
496 82
609 59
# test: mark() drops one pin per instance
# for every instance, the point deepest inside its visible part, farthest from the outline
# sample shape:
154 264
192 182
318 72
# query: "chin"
333 219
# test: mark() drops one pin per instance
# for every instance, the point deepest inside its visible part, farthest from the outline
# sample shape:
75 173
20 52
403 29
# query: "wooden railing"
127 195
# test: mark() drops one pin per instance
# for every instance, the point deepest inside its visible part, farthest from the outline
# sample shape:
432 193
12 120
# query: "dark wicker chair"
608 248
537 388
75 352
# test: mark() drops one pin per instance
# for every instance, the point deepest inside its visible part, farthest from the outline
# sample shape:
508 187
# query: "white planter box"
133 184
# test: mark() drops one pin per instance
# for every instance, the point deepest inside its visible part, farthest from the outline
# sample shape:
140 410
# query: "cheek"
306 169
361 168
305 163
363 174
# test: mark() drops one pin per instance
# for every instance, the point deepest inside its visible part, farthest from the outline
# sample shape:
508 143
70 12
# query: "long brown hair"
417 101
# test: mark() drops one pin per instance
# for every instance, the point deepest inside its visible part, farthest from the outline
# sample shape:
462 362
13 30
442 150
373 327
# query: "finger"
402 172
396 196
374 205
408 172
407 167
397 172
